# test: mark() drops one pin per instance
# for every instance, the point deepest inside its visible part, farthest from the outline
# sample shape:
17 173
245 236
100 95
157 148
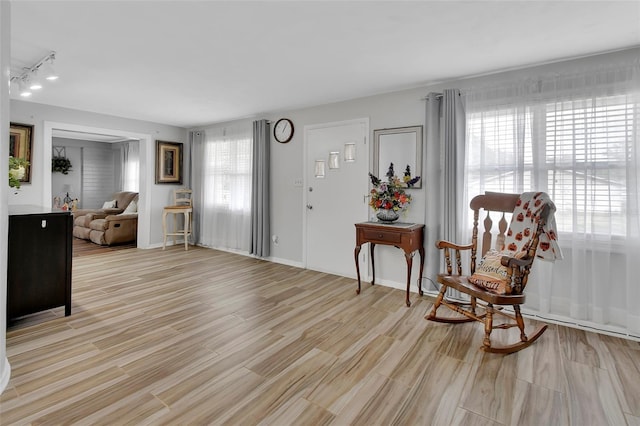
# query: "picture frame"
168 162
401 146
21 145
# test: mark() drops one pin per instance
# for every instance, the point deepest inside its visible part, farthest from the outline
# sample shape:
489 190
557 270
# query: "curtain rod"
438 96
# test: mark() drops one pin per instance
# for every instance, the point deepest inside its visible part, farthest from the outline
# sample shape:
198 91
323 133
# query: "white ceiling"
189 63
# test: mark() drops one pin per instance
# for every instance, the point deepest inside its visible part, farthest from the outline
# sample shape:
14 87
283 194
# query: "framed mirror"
401 146
20 146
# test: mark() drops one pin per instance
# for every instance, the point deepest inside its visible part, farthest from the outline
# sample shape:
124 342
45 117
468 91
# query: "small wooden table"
406 236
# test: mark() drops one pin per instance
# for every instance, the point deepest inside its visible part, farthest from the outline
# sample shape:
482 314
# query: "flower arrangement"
17 168
390 195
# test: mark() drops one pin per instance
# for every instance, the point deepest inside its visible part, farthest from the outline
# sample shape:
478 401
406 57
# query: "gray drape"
260 217
432 172
196 143
453 139
444 174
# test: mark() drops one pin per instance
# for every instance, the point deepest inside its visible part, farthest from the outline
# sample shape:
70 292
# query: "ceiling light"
34 83
28 80
47 68
24 90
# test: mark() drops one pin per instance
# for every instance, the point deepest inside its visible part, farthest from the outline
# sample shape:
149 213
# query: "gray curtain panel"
453 140
260 230
444 176
196 141
432 181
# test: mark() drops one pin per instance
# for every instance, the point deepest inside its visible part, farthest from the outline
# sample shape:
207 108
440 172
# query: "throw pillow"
131 208
490 274
109 204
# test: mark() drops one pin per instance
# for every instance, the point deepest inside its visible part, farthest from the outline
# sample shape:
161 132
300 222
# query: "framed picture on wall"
20 146
168 162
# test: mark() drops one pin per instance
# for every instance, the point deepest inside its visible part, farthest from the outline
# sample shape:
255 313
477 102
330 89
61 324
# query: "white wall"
5 69
153 197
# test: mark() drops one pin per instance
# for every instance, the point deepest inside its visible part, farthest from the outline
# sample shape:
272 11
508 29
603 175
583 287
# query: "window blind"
577 151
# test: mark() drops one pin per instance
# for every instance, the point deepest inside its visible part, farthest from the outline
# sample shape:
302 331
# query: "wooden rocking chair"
501 277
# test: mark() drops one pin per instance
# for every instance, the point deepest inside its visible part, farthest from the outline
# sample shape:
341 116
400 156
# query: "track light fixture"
30 80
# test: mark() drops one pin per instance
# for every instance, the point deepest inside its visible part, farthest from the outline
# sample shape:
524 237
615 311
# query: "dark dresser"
39 260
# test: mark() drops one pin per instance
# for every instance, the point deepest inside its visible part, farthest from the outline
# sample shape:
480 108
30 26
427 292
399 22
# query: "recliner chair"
109 225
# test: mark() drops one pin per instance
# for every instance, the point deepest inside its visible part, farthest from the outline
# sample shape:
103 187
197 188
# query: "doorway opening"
69 131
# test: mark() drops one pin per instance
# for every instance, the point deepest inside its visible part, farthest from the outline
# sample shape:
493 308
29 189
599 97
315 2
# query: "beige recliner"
114 229
109 225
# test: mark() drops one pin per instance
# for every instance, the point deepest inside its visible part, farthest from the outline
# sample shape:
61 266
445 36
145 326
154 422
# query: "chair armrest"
517 270
442 244
112 211
447 246
94 216
83 212
511 262
115 217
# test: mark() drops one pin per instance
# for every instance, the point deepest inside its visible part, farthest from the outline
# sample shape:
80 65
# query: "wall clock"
283 130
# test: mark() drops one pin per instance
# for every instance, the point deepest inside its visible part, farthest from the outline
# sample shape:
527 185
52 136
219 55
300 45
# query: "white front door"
335 195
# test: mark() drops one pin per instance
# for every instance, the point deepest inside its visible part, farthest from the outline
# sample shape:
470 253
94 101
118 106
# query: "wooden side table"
406 236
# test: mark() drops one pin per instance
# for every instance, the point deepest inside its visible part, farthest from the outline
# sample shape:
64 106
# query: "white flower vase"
387 215
18 173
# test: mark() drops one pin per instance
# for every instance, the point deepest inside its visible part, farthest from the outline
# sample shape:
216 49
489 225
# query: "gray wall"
93 176
397 109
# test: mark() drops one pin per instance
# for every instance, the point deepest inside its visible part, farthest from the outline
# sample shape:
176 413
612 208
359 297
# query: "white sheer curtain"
576 137
130 166
222 169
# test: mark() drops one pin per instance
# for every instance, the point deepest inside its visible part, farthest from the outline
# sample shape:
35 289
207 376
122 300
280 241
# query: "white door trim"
146 160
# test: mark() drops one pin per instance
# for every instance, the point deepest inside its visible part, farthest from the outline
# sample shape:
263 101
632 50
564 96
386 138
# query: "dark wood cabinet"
39 261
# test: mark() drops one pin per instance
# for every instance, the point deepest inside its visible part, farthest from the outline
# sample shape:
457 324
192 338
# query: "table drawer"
382 236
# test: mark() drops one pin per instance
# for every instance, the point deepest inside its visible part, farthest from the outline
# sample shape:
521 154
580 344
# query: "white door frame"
361 156
146 159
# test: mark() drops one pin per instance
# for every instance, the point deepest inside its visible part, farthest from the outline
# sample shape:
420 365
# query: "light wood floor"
207 337
85 248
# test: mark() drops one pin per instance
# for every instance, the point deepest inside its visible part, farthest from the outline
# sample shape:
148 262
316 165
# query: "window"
579 151
130 164
222 186
229 173
577 138
587 147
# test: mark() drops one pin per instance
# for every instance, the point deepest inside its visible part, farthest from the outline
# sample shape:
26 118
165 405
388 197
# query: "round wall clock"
283 130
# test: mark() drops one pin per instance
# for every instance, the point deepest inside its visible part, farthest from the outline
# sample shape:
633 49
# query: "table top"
403 225
27 209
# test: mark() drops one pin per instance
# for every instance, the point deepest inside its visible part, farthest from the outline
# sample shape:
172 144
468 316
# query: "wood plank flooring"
207 337
84 248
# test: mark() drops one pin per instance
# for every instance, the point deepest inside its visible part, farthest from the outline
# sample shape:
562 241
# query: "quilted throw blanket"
523 224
